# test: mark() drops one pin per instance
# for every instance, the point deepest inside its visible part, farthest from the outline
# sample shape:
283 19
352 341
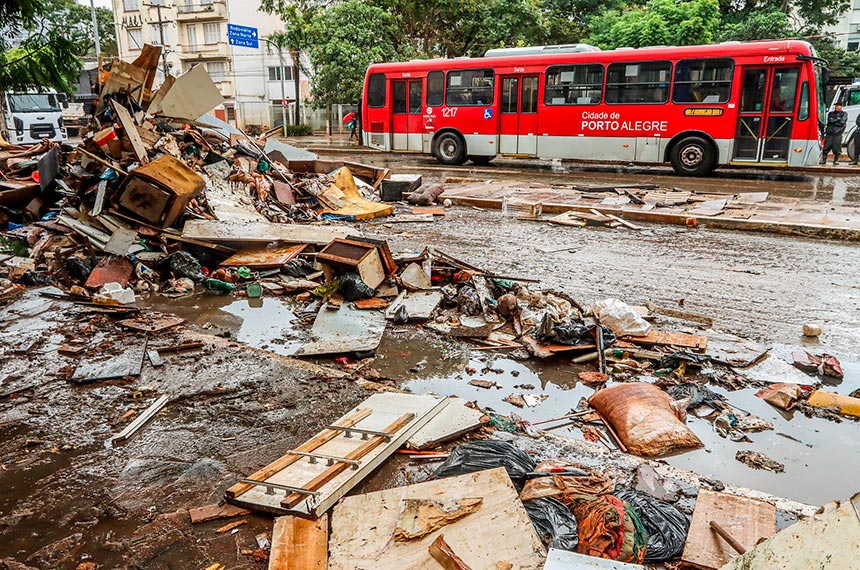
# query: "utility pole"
158 6
96 30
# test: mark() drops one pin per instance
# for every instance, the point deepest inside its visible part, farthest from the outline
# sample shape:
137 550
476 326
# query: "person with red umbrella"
352 122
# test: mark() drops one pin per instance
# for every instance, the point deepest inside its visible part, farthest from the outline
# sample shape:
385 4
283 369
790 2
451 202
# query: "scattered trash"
758 460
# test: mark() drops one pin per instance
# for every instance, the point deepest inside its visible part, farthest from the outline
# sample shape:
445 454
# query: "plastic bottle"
218 285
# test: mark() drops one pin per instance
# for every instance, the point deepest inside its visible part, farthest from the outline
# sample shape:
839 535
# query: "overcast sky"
99 3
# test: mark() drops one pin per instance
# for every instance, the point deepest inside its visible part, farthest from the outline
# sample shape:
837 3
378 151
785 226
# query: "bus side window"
642 82
469 87
703 81
399 97
435 88
574 85
803 107
376 90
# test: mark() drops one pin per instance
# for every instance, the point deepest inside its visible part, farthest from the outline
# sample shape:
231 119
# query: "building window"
643 82
157 3
275 73
855 5
217 70
231 113
574 85
129 5
435 88
135 38
191 36
470 87
853 46
155 37
703 81
211 32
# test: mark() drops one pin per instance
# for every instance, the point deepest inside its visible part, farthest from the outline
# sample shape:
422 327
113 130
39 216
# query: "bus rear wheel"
693 156
450 149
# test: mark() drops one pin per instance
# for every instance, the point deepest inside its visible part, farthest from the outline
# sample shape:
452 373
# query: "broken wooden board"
564 560
829 539
745 519
567 219
260 232
299 544
419 517
666 338
126 361
130 130
444 554
347 329
215 512
151 322
455 420
733 350
264 257
299 470
139 422
371 304
419 304
499 531
191 96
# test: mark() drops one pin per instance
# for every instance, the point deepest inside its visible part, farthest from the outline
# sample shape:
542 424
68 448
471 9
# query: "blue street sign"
242 36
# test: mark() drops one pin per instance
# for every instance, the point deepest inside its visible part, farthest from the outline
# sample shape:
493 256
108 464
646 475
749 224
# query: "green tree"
45 55
343 41
659 22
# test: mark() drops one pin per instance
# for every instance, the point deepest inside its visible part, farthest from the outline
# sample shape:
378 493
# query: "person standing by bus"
836 121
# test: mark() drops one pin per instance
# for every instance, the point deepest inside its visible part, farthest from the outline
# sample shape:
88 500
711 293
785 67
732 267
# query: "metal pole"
283 94
163 47
95 30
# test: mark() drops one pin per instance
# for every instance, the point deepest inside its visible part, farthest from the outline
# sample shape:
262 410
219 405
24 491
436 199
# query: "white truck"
33 115
849 96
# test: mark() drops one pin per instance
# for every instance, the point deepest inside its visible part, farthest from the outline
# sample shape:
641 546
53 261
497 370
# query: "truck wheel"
851 147
450 149
693 156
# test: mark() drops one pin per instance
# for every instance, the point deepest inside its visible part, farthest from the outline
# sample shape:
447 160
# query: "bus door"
407 115
766 112
518 115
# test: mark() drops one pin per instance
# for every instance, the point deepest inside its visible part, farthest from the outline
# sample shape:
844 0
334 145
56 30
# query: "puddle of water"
820 456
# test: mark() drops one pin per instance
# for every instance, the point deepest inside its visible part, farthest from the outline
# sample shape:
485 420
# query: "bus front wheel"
450 149
692 156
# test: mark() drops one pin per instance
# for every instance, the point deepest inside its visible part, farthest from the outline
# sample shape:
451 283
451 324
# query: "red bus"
696 107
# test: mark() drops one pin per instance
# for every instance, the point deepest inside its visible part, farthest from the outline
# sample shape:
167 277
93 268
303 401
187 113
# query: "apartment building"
194 32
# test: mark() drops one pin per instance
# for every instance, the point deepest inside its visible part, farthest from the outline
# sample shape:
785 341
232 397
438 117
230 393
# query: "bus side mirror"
825 75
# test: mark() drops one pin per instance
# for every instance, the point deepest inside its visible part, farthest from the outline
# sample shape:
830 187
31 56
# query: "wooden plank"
214 512
139 422
499 531
452 422
130 130
667 338
259 232
744 518
299 544
291 501
230 526
264 257
442 552
387 407
313 443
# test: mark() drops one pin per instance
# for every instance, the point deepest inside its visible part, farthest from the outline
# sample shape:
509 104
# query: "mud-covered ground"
66 498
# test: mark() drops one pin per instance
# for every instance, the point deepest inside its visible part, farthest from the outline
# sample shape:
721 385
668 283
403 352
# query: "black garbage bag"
401 315
572 333
298 268
480 455
667 526
673 360
449 296
78 267
469 301
353 288
554 523
698 395
183 264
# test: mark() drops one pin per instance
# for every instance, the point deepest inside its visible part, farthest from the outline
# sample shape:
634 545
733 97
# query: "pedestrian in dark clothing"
836 121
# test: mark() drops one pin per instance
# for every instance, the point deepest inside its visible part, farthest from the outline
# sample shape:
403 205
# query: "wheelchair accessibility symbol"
488 113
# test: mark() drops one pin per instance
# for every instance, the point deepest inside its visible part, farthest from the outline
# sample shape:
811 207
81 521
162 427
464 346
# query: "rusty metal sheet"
264 257
110 270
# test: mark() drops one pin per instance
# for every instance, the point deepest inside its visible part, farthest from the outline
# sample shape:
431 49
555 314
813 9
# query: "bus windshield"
33 103
819 88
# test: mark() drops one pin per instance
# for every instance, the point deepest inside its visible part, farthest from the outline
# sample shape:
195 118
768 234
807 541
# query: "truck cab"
33 115
849 96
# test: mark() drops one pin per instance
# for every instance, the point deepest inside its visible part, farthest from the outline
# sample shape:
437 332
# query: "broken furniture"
347 255
157 193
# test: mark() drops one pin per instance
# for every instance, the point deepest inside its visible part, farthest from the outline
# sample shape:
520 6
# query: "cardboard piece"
499 531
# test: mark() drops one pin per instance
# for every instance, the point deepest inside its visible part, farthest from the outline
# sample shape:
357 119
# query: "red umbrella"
348 117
